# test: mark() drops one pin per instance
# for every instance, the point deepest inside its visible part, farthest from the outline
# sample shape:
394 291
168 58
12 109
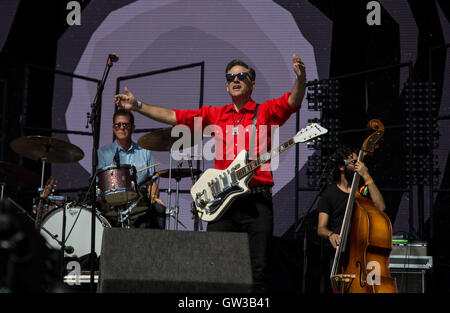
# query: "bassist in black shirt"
333 201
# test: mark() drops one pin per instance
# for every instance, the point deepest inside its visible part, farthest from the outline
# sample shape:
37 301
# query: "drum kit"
65 223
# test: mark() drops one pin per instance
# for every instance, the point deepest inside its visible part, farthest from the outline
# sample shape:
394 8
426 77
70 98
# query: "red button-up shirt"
221 120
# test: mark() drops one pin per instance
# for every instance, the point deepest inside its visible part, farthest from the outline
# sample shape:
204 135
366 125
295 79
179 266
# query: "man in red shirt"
252 213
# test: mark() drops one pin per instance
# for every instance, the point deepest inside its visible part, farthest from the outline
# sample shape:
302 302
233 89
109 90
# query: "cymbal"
161 140
54 150
178 173
16 175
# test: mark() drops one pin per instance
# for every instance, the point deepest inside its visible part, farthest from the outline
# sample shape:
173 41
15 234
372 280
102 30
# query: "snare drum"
78 229
116 185
139 207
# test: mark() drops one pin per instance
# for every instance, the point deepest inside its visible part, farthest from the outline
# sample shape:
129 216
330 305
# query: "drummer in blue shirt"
131 153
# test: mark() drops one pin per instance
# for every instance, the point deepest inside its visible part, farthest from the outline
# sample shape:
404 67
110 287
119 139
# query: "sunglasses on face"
119 125
241 76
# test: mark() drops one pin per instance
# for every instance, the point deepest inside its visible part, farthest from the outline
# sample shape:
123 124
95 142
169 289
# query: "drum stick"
145 168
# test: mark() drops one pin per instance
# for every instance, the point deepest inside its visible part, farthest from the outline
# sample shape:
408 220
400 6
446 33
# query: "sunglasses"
241 76
118 125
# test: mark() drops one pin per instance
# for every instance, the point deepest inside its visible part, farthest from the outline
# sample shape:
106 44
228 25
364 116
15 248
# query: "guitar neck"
252 166
346 222
37 223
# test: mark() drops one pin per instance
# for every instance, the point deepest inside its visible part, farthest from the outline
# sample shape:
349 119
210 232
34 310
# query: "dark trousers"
252 214
327 258
155 217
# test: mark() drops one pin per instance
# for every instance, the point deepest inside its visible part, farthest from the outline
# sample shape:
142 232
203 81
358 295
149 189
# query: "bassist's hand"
335 240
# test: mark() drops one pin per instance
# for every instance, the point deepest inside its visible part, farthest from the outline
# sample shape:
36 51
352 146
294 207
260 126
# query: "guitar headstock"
48 187
310 132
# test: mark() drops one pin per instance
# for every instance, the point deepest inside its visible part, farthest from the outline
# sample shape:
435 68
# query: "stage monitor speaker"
168 261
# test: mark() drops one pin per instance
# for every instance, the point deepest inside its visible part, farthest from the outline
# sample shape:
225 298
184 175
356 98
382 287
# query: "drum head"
78 230
124 166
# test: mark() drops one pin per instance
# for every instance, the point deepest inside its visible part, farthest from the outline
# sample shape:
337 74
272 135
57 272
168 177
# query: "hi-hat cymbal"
54 150
16 175
161 140
178 173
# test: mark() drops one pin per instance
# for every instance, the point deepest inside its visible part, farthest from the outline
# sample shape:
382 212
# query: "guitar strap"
252 138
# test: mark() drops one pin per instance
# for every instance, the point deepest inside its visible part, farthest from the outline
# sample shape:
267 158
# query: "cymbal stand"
197 223
177 203
2 184
177 197
169 193
43 159
63 231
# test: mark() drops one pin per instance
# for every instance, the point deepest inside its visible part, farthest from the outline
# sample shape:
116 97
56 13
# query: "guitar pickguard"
223 196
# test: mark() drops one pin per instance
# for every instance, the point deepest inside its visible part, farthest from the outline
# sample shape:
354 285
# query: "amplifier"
410 255
408 264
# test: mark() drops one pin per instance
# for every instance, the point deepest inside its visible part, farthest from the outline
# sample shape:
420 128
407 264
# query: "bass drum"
78 229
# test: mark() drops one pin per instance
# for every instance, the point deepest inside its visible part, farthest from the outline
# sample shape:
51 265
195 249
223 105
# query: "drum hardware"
42 228
194 211
77 242
2 184
162 140
123 215
49 150
177 174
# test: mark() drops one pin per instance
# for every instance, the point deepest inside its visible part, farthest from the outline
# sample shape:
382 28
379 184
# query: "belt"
261 189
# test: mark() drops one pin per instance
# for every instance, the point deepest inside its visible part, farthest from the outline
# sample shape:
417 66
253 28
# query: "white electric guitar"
216 189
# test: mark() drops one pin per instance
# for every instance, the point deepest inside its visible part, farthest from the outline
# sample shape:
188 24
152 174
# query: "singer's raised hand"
126 101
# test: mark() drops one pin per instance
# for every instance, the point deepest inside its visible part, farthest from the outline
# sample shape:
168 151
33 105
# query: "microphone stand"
94 120
302 223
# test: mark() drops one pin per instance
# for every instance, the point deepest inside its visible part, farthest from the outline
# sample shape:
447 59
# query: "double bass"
361 261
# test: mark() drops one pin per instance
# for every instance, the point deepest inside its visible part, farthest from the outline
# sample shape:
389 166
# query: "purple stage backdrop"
158 34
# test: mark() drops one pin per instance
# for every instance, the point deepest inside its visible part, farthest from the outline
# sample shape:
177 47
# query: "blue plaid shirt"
135 155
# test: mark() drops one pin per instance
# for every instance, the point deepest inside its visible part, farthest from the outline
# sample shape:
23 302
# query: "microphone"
117 158
69 249
113 57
